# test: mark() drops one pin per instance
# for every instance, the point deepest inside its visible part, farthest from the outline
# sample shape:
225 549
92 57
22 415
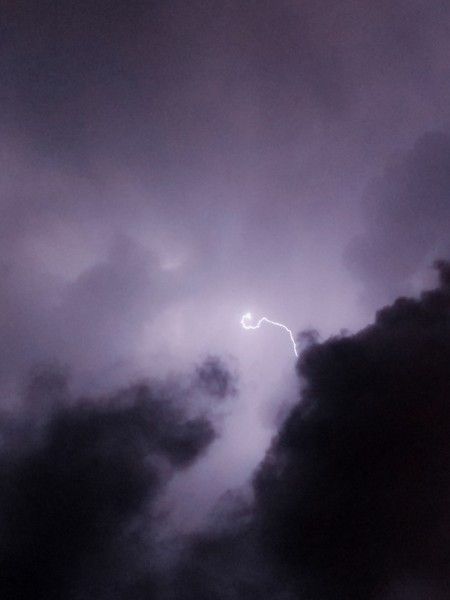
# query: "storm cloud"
352 500
81 479
167 167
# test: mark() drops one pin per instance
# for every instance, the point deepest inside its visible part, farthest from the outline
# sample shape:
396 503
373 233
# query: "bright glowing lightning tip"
247 318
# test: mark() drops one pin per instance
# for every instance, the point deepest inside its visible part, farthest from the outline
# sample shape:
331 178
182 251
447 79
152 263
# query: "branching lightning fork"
246 325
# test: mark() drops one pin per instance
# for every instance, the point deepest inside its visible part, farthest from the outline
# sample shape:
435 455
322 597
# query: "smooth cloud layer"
407 217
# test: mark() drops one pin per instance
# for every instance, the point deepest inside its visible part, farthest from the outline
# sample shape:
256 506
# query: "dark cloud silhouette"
351 501
79 482
225 561
215 379
353 497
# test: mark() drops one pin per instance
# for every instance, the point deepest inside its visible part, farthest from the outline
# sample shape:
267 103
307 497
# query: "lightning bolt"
246 325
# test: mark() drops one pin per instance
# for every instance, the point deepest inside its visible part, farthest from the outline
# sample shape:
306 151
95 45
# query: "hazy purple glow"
165 166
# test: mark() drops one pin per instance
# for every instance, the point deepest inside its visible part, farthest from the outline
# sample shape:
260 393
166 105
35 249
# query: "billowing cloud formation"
205 159
167 167
79 483
353 499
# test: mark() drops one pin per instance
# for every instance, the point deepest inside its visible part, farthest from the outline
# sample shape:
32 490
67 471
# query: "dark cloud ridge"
354 494
80 479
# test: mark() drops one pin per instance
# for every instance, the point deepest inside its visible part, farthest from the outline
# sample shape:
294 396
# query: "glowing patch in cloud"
246 325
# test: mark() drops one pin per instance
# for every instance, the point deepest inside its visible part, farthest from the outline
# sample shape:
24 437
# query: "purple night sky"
168 166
